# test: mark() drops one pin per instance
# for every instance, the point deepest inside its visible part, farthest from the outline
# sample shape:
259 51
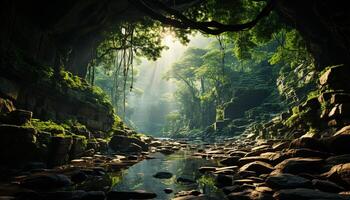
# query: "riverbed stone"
232 160
223 180
163 175
168 190
59 150
305 193
307 143
124 143
339 159
249 159
299 165
45 181
285 181
18 144
185 180
257 167
339 143
339 174
327 186
123 195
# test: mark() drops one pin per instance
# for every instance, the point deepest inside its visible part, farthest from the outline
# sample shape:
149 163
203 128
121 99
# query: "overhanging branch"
183 22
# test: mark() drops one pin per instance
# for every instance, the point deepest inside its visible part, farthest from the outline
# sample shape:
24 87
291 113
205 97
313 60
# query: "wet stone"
138 194
163 175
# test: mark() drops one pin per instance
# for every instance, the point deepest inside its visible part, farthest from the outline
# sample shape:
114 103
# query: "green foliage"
71 81
48 126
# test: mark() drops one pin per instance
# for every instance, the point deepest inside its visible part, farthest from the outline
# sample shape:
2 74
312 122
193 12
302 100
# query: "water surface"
180 164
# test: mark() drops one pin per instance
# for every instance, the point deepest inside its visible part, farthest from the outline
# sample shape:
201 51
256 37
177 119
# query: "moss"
83 138
48 126
313 94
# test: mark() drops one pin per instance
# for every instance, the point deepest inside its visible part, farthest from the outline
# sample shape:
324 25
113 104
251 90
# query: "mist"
148 110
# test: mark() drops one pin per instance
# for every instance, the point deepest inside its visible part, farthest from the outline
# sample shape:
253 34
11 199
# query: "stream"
180 164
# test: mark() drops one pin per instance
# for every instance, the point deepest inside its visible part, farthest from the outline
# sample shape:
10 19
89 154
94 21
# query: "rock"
341 159
257 167
78 147
94 195
326 186
238 153
230 160
72 195
6 106
232 188
261 194
339 143
335 78
305 153
103 145
280 146
287 181
45 181
138 194
156 143
243 195
223 180
339 174
249 159
189 193
133 148
168 190
17 145
18 117
185 180
307 143
123 143
35 166
191 197
344 131
166 151
59 149
78 176
304 193
339 98
300 165
206 169
163 175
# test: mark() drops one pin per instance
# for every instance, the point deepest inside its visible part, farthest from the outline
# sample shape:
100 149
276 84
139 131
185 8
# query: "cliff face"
28 86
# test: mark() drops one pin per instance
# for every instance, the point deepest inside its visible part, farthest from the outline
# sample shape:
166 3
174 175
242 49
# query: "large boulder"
127 144
285 181
336 78
300 165
6 105
18 117
339 174
339 143
17 144
308 143
139 194
78 147
305 194
257 167
45 181
59 150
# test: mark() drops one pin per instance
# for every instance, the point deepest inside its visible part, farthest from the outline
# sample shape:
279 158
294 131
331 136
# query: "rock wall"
50 104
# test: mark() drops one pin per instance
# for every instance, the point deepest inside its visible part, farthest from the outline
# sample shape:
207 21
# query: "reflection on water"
180 164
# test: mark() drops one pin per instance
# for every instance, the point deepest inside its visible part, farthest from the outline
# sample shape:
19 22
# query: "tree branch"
183 22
